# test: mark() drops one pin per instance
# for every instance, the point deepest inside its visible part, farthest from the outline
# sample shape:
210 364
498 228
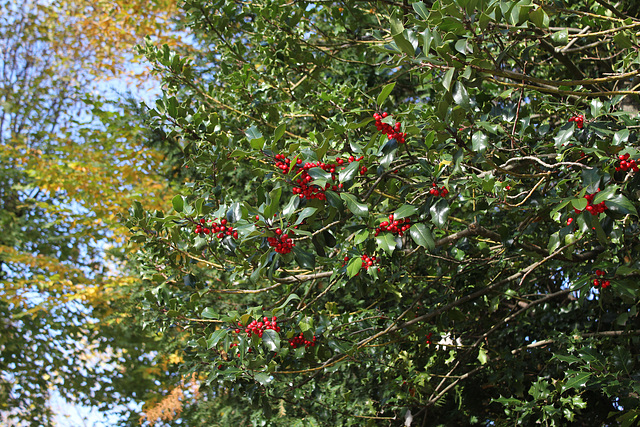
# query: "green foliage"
482 309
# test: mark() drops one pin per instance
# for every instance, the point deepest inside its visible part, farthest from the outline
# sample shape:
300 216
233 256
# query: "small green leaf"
354 205
361 236
540 18
396 26
263 378
482 356
579 204
388 152
461 96
404 44
576 380
605 194
354 266
255 138
319 173
560 37
386 242
623 40
404 211
279 132
422 236
421 9
178 203
304 259
215 337
566 358
199 203
291 206
440 213
304 214
479 142
621 204
385 93
284 304
554 242
349 172
621 137
209 313
448 78
271 340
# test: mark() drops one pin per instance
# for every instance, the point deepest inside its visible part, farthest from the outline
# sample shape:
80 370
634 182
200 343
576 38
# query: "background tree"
70 163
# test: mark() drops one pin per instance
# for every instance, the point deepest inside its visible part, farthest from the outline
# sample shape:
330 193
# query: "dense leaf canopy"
70 163
388 213
401 213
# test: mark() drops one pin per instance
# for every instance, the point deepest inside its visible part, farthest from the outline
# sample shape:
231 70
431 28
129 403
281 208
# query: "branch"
587 335
546 165
303 278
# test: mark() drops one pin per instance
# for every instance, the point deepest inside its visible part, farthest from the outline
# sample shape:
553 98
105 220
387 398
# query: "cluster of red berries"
597 282
220 230
258 327
282 242
398 226
442 192
392 132
368 261
591 208
302 184
283 163
626 163
579 119
299 341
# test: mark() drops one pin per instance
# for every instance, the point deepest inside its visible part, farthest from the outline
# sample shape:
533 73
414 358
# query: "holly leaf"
422 236
621 204
256 140
386 242
576 380
215 337
440 213
404 211
178 203
354 267
349 172
385 92
263 378
357 208
271 340
304 259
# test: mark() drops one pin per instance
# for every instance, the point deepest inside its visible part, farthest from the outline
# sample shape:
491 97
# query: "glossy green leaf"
304 259
356 208
349 172
354 266
216 337
178 203
386 242
479 142
440 213
271 340
404 211
384 93
422 236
